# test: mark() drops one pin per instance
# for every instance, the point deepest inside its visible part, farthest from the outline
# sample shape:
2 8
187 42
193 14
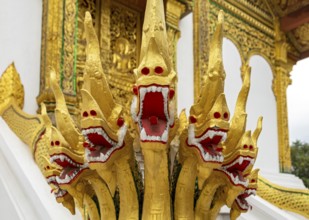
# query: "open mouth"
99 146
241 199
71 169
235 170
208 143
52 180
154 117
57 192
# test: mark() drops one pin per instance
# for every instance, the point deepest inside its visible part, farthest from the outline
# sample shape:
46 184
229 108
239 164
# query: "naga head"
51 171
153 105
103 123
241 204
66 144
209 116
239 163
72 163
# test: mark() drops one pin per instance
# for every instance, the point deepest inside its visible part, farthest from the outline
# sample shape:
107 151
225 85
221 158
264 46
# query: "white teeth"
224 137
165 136
196 142
235 180
133 108
240 160
143 134
211 134
142 93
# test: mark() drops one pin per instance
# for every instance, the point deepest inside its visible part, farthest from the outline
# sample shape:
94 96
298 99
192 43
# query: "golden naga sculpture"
90 163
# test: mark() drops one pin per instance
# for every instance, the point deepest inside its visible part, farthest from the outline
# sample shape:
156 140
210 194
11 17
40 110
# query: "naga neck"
156 195
184 197
129 209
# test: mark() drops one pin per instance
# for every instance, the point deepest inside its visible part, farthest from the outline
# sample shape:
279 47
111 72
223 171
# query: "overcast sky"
298 102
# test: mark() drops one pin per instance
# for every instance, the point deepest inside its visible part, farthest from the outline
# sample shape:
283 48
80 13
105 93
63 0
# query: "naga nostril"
85 114
120 122
145 71
93 113
158 70
217 115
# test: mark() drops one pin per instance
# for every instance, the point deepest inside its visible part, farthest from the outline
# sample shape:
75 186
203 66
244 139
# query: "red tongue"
154 129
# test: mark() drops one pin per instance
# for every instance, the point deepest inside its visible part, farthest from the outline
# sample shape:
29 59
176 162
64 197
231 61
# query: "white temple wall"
20 42
261 102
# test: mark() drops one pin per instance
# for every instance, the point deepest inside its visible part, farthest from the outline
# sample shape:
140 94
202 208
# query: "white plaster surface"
20 42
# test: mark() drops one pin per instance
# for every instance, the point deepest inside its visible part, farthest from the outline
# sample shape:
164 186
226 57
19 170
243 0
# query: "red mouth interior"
153 117
237 169
211 145
69 170
63 163
100 144
242 200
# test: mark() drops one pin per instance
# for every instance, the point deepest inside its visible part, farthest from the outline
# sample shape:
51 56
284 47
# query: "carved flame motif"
90 163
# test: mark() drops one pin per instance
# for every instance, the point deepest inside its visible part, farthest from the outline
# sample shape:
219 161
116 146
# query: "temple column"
281 81
50 48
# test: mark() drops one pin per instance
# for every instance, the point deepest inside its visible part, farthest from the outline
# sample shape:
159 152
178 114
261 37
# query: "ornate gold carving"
294 200
50 48
201 40
68 68
125 38
302 34
11 88
280 84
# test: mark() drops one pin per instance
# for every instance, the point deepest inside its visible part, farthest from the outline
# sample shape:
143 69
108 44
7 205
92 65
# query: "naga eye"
251 147
253 181
57 143
52 143
120 122
217 115
93 113
145 71
85 114
158 70
226 115
245 146
192 119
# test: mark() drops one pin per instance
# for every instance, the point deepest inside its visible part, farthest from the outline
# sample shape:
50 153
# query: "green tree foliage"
300 160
